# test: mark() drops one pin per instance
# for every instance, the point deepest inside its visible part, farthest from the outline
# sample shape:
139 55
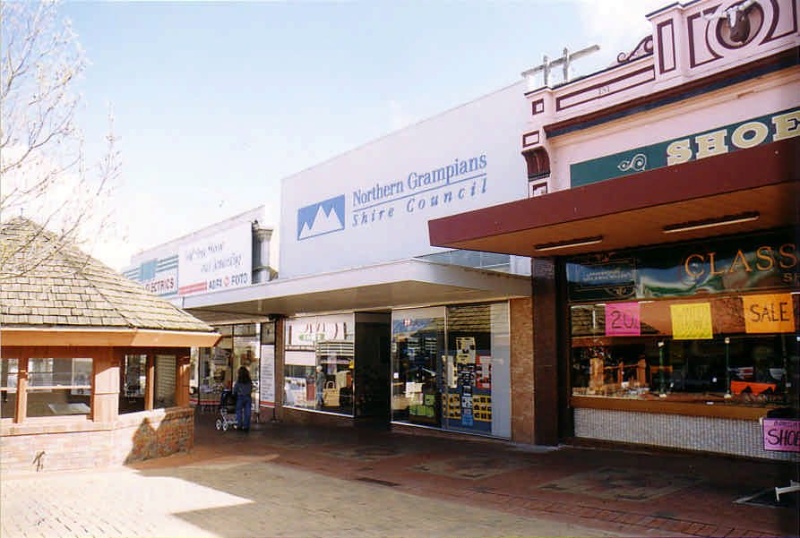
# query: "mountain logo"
321 218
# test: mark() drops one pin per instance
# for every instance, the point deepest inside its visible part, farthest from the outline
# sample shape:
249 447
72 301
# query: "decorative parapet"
688 43
644 48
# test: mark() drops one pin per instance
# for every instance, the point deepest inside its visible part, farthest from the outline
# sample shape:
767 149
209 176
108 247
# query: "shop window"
711 322
246 353
699 350
59 387
418 344
134 378
9 369
319 364
451 368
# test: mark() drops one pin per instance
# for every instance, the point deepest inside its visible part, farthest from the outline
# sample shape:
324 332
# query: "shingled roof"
47 283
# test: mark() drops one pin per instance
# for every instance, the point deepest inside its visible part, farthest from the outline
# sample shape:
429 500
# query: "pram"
227 411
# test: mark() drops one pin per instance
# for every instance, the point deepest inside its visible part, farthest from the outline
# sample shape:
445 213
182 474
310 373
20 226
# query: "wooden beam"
64 337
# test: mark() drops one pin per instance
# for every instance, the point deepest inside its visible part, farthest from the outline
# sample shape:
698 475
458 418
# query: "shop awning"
379 287
739 192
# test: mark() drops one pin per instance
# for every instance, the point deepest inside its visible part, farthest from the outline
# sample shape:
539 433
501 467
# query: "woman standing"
244 401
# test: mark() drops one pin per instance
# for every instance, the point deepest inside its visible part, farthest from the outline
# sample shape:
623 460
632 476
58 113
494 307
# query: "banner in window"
772 313
691 321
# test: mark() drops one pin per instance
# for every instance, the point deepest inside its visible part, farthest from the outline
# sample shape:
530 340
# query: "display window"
451 368
9 372
319 363
214 369
706 324
418 346
134 379
56 386
246 345
59 386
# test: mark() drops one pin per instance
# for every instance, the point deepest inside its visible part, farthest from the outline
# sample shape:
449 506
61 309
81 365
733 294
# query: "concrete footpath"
288 481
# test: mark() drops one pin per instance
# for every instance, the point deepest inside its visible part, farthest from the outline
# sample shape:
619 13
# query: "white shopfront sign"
373 204
304 333
216 262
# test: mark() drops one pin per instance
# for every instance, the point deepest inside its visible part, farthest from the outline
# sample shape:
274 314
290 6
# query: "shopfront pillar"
105 394
22 390
150 381
545 352
521 328
182 386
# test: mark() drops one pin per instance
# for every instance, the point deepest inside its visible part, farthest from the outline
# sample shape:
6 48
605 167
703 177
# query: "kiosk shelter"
94 368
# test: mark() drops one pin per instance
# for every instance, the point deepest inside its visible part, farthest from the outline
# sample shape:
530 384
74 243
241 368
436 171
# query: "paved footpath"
289 481
239 497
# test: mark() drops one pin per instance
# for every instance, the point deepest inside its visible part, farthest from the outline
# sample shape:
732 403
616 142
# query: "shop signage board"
764 262
781 435
159 276
216 262
305 332
768 313
622 319
266 382
373 204
717 141
691 321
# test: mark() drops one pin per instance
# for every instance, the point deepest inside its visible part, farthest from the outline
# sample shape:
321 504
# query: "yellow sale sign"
691 321
768 313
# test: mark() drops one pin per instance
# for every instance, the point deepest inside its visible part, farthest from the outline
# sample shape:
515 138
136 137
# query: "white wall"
373 204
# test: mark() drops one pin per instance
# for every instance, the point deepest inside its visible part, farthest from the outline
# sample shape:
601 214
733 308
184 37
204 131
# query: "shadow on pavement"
633 492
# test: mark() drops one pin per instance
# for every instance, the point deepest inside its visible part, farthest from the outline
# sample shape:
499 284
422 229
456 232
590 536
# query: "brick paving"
290 481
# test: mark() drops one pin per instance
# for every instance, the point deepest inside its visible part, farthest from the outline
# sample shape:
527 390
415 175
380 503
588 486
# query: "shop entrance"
372 351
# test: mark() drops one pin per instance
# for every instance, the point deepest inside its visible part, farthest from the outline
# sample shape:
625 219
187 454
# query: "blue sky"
215 103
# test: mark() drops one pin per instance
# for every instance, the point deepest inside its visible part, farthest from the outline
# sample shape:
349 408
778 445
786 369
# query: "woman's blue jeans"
244 406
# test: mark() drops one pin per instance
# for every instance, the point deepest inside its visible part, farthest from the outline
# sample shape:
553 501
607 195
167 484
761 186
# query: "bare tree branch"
43 171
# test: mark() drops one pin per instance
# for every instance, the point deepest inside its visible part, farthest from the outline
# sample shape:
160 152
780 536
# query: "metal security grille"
165 380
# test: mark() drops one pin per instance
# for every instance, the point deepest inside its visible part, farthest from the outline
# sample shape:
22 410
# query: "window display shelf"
698 407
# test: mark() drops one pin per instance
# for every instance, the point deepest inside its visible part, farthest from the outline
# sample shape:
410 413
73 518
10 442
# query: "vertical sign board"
781 435
267 380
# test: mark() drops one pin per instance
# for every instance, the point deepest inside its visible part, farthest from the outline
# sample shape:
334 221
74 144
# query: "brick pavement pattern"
289 481
241 497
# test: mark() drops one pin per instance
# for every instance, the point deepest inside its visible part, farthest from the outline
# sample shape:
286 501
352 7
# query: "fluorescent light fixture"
747 216
579 242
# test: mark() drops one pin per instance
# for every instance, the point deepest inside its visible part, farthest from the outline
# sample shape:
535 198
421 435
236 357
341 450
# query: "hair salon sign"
719 141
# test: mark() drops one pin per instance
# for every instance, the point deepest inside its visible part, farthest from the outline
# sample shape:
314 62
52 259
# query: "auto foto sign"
216 262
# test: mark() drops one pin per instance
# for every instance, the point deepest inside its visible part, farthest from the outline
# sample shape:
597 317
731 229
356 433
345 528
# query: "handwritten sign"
266 383
691 321
768 313
782 435
622 319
